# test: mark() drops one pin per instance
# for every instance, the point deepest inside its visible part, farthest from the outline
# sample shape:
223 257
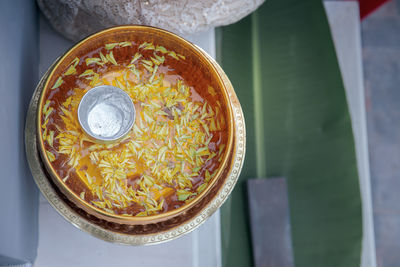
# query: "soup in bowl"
180 140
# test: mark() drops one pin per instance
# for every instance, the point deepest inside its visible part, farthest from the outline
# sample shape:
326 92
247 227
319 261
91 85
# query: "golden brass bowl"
145 234
199 62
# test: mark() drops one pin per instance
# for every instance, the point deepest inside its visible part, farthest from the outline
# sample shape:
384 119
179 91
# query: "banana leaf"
282 63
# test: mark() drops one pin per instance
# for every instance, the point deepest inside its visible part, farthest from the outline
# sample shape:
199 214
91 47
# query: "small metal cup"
106 113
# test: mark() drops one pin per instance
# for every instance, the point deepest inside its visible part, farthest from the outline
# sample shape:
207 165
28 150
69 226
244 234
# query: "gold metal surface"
167 36
147 234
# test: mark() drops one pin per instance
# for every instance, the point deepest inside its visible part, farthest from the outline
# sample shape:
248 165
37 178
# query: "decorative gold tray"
151 233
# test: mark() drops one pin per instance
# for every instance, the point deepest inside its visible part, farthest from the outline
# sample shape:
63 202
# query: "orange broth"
170 155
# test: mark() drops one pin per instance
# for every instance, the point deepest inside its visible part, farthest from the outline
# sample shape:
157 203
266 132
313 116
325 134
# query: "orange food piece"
165 192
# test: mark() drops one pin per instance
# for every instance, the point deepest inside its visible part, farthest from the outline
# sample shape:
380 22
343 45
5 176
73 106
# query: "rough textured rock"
76 19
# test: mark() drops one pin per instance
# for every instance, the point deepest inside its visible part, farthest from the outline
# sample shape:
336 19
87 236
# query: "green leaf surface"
282 63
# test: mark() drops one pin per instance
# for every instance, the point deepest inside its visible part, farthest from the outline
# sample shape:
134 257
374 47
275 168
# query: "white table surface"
59 241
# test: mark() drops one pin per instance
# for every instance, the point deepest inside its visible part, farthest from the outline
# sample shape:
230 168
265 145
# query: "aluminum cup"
106 113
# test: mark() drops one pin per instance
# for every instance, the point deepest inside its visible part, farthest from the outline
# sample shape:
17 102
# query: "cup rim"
113 138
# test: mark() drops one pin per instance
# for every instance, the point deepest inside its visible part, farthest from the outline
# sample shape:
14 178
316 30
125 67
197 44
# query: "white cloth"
76 19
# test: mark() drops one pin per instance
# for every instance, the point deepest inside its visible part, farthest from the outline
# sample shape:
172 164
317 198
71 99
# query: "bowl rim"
43 182
135 219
